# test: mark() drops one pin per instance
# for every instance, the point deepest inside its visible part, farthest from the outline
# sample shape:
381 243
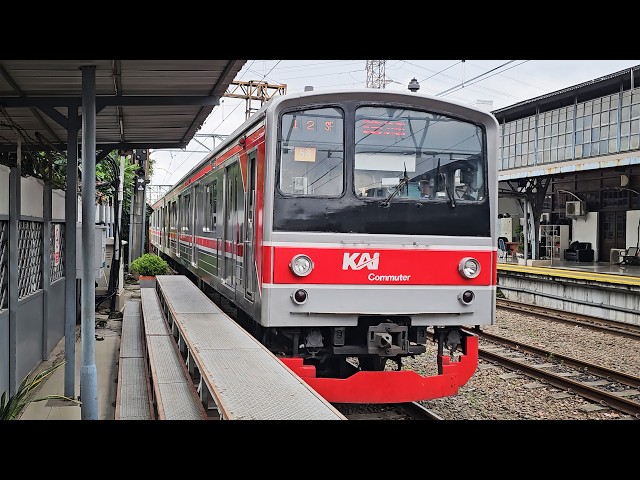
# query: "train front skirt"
393 386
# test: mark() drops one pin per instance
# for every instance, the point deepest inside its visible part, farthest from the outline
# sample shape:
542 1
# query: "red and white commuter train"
346 230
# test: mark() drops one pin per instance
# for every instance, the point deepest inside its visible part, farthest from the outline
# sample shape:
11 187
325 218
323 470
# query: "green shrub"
149 265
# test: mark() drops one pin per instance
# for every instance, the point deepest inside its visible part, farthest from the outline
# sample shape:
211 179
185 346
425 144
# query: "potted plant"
146 267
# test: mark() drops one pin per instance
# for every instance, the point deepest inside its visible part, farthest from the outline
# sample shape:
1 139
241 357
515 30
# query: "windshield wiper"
447 190
404 181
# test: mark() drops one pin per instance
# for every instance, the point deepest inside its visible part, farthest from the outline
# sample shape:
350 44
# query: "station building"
570 159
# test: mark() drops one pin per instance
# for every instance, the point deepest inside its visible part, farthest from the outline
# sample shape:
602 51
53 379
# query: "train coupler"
387 339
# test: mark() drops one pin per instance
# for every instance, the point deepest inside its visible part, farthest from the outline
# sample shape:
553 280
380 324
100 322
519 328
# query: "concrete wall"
633 228
57 204
29 330
611 301
33 327
4 351
32 196
55 321
509 205
585 229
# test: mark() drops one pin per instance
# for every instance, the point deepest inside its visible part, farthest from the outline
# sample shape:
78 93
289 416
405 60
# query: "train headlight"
469 267
301 265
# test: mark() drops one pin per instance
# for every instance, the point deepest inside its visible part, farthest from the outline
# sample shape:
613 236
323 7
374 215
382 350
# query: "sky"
491 84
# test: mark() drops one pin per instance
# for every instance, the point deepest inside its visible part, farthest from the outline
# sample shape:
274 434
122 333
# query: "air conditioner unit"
617 255
575 209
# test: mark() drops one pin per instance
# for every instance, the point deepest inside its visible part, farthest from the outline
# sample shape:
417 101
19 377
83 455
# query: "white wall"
585 229
633 220
4 190
31 197
509 205
57 204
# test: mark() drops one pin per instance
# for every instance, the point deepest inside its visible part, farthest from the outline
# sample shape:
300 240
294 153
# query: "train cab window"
312 152
411 154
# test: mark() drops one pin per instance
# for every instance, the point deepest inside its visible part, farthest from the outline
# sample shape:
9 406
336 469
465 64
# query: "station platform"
596 268
597 289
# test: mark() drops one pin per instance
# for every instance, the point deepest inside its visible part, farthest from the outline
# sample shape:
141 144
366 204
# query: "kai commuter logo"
357 261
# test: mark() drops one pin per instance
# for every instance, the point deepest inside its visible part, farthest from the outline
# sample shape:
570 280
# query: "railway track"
393 411
603 386
594 323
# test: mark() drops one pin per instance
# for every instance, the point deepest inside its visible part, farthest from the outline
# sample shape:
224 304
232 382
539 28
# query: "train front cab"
361 262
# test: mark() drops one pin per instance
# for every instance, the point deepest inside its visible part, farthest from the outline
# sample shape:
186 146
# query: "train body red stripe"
383 266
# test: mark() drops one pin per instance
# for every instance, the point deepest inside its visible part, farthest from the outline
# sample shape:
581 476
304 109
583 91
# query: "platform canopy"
139 103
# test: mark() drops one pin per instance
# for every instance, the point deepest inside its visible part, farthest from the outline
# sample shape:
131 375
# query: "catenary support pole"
88 372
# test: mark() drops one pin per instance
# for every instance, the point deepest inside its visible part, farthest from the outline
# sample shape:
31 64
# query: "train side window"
185 209
174 216
312 152
210 206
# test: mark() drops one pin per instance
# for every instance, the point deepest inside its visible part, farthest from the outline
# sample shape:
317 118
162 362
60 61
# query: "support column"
15 208
46 261
70 220
88 372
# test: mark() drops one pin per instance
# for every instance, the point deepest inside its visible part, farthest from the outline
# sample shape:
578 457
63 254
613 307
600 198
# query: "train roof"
273 103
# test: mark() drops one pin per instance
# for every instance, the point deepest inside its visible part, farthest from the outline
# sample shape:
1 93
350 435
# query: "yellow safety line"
567 273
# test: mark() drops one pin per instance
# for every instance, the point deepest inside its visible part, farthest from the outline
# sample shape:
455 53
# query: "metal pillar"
137 225
143 236
88 372
117 235
130 244
70 220
14 223
46 261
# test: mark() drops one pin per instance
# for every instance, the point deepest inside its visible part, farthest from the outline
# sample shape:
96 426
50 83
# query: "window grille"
29 257
4 269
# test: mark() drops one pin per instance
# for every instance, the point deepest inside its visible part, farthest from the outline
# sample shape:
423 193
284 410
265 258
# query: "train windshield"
398 153
312 152
417 155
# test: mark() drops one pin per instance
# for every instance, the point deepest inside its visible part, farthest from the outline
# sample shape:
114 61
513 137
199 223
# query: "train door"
194 223
165 227
230 240
171 228
249 212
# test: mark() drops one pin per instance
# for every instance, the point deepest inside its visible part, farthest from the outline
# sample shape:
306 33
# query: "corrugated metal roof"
139 103
596 86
